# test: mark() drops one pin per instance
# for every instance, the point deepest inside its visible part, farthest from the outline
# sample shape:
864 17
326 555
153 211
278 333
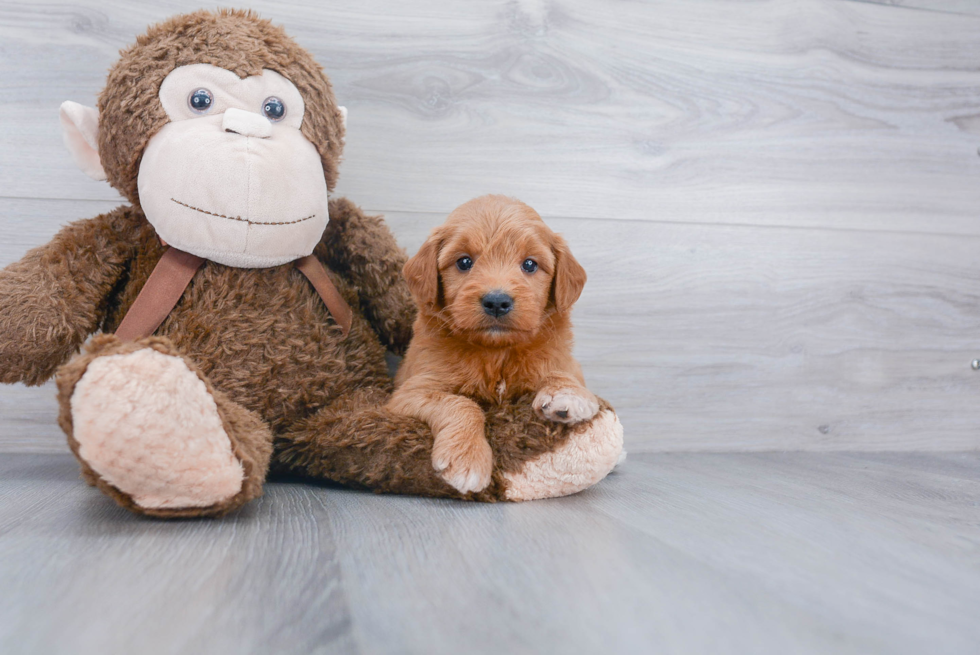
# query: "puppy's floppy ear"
422 272
569 278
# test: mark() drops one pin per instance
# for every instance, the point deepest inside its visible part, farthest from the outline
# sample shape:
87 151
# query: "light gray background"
776 201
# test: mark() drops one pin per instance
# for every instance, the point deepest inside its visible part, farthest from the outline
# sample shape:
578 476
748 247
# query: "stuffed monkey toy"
241 316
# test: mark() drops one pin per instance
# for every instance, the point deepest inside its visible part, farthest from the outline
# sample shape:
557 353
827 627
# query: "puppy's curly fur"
495 287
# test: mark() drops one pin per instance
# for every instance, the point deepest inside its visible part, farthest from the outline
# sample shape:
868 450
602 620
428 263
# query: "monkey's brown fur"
291 392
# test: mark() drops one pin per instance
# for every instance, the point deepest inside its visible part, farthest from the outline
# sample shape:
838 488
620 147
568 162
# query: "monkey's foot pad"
148 426
590 453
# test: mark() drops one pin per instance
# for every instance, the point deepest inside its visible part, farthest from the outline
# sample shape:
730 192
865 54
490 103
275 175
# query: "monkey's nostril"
497 303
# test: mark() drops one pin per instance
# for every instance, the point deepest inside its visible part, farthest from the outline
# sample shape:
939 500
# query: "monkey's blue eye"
273 109
529 266
464 263
200 100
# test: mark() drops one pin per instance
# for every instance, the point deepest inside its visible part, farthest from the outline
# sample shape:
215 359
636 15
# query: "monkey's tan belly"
265 338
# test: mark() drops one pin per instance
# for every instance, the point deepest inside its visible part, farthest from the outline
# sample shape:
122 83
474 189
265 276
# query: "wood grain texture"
266 578
677 553
970 7
787 112
726 337
775 200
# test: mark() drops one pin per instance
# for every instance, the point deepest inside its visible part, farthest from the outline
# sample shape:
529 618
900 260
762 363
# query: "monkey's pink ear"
343 121
80 131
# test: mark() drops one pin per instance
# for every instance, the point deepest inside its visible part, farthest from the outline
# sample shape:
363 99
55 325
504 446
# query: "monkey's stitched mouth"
239 218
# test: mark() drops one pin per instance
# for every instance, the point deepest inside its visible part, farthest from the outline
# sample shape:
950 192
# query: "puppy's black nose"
497 303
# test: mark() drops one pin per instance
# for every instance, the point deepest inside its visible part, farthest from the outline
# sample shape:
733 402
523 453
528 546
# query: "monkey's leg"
542 459
357 442
151 432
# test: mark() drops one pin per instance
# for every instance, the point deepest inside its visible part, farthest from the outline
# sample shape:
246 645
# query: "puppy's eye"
200 100
529 266
464 263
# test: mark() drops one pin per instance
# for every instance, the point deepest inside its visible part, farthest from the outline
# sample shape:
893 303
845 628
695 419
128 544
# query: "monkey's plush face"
231 178
223 130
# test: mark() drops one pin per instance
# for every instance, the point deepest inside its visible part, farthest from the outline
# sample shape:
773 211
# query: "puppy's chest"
499 378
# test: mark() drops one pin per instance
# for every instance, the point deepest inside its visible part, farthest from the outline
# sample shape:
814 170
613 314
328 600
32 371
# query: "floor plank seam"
929 10
611 219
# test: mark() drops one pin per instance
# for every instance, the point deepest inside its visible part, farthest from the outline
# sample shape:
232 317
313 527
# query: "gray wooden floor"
675 553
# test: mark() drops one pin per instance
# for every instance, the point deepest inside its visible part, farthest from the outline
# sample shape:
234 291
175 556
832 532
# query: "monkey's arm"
58 294
363 250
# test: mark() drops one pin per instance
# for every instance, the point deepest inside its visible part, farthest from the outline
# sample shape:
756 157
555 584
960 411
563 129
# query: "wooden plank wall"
776 200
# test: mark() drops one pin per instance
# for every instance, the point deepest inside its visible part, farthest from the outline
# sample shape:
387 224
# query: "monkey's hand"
57 295
35 338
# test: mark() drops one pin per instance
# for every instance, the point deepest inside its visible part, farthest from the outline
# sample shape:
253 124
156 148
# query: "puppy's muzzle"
497 303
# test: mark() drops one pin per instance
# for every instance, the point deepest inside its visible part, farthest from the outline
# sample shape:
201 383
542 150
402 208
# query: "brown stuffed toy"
243 315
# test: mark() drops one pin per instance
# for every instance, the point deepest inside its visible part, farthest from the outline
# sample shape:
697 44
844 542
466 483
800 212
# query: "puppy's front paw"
463 460
566 405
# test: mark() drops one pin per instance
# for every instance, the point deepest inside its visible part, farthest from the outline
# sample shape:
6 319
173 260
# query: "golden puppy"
495 287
